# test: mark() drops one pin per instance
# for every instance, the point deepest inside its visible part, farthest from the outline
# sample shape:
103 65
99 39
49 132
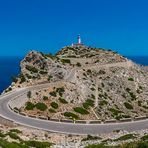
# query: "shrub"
130 79
128 89
126 137
103 102
32 69
52 110
63 101
15 131
89 137
78 64
53 93
29 106
45 98
145 137
14 79
22 77
65 61
50 77
128 105
102 72
71 115
139 103
133 96
81 110
38 144
54 105
60 90
13 136
88 103
115 111
41 106
29 94
43 72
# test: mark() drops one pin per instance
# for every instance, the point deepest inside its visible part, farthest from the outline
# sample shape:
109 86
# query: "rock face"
94 83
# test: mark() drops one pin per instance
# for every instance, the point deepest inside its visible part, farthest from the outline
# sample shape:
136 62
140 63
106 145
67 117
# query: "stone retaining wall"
7 122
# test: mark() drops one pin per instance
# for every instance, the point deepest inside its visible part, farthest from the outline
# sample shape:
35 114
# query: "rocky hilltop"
87 83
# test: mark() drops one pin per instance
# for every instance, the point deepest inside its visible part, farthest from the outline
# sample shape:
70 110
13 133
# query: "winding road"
64 127
61 127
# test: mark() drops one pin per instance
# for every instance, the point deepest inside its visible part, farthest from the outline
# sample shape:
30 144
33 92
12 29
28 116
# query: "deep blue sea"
9 66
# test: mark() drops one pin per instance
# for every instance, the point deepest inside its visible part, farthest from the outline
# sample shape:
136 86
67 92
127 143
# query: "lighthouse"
79 43
79 40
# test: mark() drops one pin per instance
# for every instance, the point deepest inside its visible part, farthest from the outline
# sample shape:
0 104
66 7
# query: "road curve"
60 127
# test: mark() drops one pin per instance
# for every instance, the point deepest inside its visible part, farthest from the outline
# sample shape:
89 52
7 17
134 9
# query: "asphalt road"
68 128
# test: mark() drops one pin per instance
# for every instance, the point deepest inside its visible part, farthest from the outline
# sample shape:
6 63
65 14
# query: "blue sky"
48 25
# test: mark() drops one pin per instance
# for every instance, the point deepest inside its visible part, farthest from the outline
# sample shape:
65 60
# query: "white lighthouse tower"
79 40
79 43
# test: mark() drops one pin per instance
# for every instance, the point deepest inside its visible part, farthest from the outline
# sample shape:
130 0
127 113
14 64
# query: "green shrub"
29 106
88 103
89 137
98 146
103 102
145 137
78 64
32 69
53 93
2 135
102 72
43 72
22 77
125 137
52 110
15 131
65 61
60 90
45 98
41 106
130 79
50 77
13 136
71 115
6 144
81 110
63 101
128 89
29 94
128 105
114 111
38 144
54 105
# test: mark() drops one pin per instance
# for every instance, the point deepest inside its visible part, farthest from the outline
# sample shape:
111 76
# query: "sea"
10 66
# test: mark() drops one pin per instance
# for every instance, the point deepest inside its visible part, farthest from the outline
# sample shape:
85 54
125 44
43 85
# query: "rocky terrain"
89 84
18 137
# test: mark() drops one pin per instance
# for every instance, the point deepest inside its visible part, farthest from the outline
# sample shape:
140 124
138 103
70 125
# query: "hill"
88 83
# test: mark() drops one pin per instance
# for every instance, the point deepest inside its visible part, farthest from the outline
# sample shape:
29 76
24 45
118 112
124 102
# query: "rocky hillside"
87 83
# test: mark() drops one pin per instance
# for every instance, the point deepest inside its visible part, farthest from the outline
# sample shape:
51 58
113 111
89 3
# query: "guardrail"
82 121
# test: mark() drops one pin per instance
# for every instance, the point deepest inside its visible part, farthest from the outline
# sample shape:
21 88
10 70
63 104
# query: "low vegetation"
128 105
29 106
88 103
62 100
81 110
54 105
41 106
71 115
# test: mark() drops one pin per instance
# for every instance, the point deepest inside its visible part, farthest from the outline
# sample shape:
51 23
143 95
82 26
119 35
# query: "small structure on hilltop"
79 43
